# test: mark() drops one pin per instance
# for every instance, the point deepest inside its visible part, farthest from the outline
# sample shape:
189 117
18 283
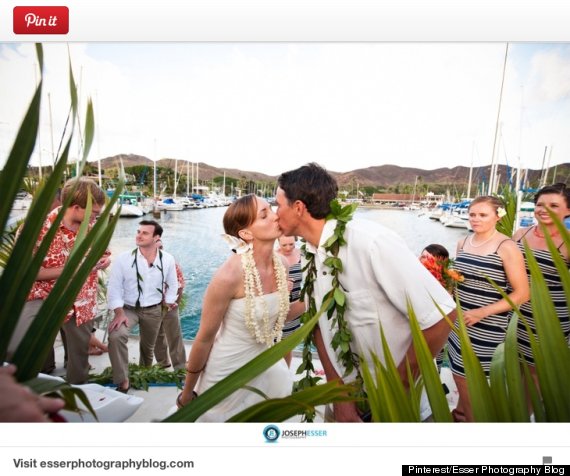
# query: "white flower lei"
253 288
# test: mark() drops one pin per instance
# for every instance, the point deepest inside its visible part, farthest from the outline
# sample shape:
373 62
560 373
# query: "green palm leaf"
551 353
281 409
479 392
516 390
431 378
20 154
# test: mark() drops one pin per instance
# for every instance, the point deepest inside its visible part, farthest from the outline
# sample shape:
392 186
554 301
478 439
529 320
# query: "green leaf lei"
342 337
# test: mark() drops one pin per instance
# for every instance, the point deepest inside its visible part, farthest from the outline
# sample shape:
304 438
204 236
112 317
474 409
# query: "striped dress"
556 291
475 292
296 275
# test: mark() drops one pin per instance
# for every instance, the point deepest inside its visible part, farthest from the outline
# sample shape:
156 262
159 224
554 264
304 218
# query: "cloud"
551 75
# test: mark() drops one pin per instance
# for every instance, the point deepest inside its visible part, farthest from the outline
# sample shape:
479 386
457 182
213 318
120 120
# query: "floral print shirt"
85 305
180 277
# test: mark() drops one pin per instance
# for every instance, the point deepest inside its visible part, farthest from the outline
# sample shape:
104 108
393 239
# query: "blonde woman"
555 198
485 253
245 307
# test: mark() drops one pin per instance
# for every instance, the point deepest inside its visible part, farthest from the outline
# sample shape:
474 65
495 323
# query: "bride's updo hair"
240 214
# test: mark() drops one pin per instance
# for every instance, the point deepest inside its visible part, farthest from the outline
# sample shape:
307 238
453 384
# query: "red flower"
440 269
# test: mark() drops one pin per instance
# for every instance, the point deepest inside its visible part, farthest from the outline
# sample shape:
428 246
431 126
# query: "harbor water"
194 238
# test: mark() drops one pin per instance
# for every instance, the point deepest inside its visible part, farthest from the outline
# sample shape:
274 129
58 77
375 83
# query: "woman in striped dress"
556 198
292 254
485 253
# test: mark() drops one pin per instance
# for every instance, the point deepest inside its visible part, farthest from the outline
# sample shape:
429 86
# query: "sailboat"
458 216
414 205
129 204
172 204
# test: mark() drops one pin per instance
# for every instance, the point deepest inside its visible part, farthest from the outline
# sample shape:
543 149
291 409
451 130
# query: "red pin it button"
41 20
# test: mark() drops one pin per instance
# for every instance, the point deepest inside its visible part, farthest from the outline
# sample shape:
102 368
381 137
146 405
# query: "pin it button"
41 20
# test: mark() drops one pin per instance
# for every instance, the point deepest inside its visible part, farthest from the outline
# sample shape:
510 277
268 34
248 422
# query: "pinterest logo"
41 20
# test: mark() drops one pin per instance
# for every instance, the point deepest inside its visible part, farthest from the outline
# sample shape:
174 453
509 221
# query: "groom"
379 275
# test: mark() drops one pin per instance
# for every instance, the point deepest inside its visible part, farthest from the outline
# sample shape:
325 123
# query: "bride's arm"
220 292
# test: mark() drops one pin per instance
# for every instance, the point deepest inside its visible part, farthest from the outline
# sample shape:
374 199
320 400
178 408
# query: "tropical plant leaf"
7 242
23 260
535 399
58 389
506 225
20 154
517 402
84 227
551 355
431 378
89 132
72 91
480 396
396 391
281 409
141 377
498 384
40 56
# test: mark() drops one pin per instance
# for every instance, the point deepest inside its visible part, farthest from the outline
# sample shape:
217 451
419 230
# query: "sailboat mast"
493 178
175 176
547 167
470 172
188 178
154 174
543 175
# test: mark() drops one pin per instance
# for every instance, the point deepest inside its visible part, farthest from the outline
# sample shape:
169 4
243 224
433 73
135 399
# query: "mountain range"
382 176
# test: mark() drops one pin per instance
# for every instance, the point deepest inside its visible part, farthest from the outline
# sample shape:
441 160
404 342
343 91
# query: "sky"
271 107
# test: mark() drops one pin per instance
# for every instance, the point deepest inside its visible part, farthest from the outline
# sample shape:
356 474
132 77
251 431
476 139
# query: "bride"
245 307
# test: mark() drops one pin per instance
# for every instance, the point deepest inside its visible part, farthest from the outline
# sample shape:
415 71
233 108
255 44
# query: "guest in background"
141 282
96 347
485 253
555 198
435 257
78 323
169 347
292 254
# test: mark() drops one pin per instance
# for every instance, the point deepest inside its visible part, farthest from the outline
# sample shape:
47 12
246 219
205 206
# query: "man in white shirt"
379 274
142 287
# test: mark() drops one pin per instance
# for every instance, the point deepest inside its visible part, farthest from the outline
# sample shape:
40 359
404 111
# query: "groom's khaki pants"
169 342
149 320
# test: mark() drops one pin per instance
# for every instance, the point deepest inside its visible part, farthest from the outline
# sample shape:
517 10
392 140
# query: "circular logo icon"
271 433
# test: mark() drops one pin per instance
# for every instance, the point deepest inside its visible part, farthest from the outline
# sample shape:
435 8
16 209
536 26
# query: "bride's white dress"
235 346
